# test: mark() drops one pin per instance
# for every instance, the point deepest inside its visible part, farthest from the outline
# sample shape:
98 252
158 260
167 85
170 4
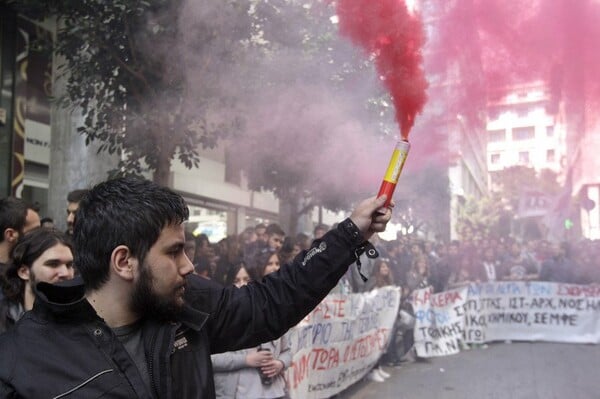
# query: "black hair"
258 263
126 211
46 220
77 195
234 270
321 226
13 213
26 251
274 228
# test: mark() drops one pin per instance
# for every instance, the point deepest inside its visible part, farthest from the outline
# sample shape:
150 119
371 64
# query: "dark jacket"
10 312
62 349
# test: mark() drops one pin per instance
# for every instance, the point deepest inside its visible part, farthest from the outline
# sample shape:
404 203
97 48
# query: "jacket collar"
67 300
64 300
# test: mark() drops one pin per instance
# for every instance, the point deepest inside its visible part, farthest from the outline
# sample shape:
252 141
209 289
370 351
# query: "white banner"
527 311
340 341
439 321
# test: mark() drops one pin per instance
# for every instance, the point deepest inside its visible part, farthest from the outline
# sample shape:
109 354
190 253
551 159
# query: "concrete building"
521 132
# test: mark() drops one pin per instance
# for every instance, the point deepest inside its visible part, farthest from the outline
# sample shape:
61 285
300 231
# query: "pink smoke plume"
387 31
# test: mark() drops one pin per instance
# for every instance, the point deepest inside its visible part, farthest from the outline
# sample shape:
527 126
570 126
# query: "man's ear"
123 263
23 273
11 235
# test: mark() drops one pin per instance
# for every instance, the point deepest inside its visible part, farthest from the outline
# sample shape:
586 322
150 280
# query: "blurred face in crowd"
72 208
32 220
319 233
452 250
190 249
384 269
415 249
241 278
275 241
296 250
488 255
161 282
53 265
422 265
261 234
272 264
515 249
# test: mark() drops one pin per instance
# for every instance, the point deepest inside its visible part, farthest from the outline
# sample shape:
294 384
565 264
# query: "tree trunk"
288 214
162 172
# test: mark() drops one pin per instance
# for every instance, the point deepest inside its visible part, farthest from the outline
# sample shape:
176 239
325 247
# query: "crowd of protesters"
408 262
411 263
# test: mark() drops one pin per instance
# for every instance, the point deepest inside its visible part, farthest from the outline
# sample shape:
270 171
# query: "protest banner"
340 341
439 321
532 311
509 310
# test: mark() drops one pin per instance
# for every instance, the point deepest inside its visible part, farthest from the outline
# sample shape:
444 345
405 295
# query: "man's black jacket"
62 349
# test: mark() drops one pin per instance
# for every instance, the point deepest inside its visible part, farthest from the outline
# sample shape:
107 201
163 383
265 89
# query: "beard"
147 303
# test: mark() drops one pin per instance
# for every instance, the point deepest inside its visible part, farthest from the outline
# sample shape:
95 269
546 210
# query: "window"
549 131
523 111
550 156
494 113
496 136
524 157
523 133
495 159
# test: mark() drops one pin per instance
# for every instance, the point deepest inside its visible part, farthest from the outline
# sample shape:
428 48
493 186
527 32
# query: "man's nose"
65 272
186 266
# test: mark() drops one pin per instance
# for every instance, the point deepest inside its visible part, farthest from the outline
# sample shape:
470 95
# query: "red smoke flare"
385 29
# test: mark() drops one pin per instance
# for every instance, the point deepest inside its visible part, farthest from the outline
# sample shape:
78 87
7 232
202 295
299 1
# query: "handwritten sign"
340 341
439 321
528 311
533 311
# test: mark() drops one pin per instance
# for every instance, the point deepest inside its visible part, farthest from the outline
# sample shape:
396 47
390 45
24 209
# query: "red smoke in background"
525 40
385 29
554 41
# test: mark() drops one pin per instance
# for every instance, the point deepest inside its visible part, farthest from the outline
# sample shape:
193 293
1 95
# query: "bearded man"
142 325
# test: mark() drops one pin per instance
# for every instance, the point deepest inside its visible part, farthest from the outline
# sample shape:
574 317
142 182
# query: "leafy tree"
511 182
127 72
481 216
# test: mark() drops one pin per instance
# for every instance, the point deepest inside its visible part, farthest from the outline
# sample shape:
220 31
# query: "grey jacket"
231 372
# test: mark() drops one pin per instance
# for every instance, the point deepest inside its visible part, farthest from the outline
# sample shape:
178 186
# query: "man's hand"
370 216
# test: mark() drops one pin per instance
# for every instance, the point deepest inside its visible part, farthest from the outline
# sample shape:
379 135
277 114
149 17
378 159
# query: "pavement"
518 370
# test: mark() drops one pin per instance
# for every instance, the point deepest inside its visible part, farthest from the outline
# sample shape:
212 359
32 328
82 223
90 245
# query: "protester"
190 245
518 266
275 237
462 275
16 219
382 277
560 267
320 230
73 199
47 222
41 255
253 373
231 255
143 325
487 269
